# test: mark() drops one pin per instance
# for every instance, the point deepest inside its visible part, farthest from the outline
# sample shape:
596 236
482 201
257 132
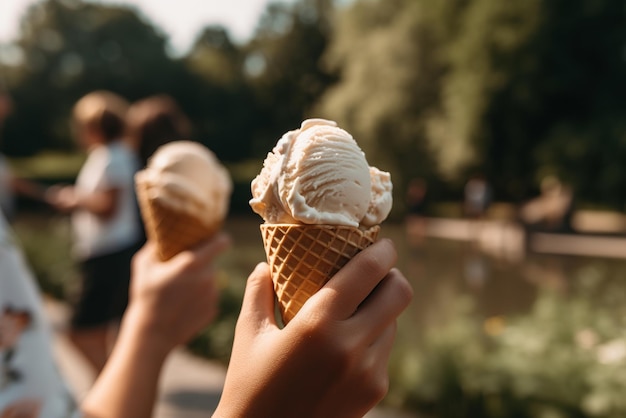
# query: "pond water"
499 285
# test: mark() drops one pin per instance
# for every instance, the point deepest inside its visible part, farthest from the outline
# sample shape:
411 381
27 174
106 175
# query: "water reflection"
477 263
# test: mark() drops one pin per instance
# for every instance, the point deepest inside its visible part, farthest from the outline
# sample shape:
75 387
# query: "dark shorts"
103 294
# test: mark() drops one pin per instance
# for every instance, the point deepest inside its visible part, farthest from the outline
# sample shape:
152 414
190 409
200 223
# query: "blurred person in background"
155 121
30 383
552 210
105 221
152 122
478 197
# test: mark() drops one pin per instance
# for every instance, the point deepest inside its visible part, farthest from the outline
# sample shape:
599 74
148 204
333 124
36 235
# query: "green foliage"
564 358
70 48
219 102
45 242
48 165
389 79
284 69
514 90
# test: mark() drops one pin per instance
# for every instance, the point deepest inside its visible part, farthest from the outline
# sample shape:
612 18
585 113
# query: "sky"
180 19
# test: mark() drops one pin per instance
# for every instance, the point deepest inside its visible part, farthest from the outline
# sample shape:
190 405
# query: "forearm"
102 204
27 188
128 385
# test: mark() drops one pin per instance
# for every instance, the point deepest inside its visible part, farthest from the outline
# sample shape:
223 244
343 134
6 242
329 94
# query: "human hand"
169 302
24 408
331 359
63 198
172 300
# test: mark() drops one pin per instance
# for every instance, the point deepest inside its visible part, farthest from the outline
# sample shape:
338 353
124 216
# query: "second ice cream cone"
183 195
303 258
172 231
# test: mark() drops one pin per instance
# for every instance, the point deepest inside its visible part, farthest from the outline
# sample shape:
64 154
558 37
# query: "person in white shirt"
105 221
30 383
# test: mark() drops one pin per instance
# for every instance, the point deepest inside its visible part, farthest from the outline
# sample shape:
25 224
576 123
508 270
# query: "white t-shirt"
29 380
108 166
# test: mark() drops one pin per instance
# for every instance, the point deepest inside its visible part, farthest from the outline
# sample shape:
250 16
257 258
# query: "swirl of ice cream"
318 175
187 177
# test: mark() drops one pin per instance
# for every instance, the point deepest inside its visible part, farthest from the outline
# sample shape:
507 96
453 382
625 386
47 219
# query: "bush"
565 358
45 242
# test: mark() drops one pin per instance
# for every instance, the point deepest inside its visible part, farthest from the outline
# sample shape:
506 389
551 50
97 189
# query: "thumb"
257 309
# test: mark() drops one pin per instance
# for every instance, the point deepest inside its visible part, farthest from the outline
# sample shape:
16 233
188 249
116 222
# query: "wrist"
140 331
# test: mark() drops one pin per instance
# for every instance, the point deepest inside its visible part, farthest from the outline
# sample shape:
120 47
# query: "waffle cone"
172 231
303 258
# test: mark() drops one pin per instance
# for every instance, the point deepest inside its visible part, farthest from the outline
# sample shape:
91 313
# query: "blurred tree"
225 114
514 90
389 85
69 48
580 88
283 66
536 88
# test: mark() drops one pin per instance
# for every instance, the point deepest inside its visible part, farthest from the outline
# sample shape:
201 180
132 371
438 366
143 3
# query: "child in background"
155 121
104 220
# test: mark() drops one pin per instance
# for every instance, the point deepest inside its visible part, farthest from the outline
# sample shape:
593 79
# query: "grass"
48 165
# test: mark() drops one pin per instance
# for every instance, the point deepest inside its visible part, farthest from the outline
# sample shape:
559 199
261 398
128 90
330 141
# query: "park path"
190 386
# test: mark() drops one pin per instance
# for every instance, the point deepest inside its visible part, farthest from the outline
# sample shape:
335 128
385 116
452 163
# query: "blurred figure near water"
104 220
552 210
478 197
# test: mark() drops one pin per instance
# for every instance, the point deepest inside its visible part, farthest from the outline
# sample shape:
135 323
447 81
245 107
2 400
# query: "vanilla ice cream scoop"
187 177
318 175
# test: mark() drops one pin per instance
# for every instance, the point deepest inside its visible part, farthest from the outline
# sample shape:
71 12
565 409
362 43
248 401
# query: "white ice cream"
187 177
319 175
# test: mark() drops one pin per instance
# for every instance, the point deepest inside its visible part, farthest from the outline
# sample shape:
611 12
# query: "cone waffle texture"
172 231
303 258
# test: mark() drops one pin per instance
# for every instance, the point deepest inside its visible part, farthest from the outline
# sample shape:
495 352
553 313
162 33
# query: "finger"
383 345
384 304
145 253
345 291
381 352
258 301
372 380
